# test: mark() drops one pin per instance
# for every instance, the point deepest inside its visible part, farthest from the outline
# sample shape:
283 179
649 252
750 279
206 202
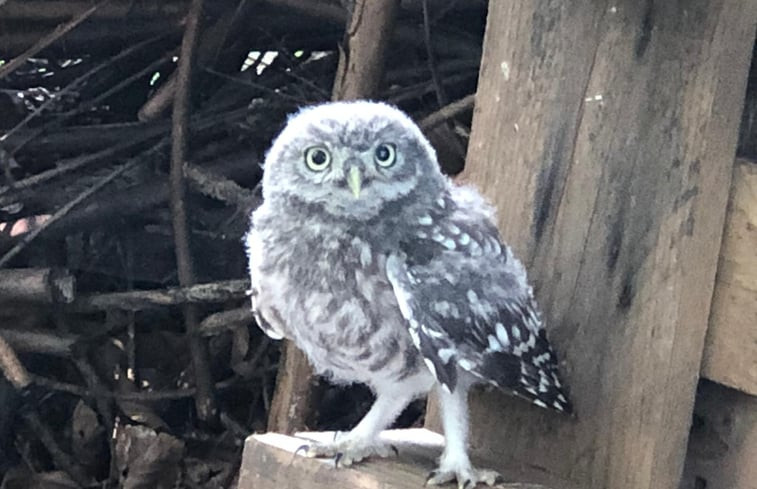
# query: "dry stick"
145 396
43 342
20 378
59 32
61 459
45 285
77 163
74 84
204 400
441 97
137 300
70 165
11 366
211 43
218 187
361 56
28 238
448 111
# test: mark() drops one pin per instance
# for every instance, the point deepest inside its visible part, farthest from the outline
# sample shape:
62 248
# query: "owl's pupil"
382 153
319 157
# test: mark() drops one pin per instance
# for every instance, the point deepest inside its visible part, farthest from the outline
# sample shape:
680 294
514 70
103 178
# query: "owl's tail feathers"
540 385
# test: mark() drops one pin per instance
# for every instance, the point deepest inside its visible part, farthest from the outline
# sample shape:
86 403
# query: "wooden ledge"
270 462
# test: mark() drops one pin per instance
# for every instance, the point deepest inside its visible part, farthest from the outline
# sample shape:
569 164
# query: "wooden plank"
605 134
296 396
723 444
270 462
730 354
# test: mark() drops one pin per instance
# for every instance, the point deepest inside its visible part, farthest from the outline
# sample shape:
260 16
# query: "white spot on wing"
430 366
502 335
449 243
464 239
494 344
425 220
445 354
466 364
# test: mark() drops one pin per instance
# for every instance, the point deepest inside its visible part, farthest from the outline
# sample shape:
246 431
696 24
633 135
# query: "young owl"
384 272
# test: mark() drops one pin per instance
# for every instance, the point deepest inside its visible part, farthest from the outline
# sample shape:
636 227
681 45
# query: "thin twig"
76 164
32 235
448 111
71 86
56 34
144 396
204 400
441 97
62 459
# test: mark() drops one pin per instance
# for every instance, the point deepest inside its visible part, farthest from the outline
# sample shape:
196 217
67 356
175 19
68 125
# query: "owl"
385 272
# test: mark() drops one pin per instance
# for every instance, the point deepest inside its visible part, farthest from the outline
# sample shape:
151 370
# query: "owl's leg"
454 463
363 440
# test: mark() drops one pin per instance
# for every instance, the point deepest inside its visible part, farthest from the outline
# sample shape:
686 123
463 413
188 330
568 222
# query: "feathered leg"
363 440
454 463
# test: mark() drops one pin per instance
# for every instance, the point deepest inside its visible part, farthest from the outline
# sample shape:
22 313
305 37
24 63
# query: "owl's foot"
466 476
348 451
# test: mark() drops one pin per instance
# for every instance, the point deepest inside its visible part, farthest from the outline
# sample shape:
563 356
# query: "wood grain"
605 134
270 462
730 354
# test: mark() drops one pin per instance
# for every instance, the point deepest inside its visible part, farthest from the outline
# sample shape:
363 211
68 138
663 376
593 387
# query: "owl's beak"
355 181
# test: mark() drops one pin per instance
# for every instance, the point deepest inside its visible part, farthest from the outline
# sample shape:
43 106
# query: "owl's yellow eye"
317 158
385 155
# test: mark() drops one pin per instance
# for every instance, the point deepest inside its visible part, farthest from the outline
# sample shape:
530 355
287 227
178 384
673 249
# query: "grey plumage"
386 273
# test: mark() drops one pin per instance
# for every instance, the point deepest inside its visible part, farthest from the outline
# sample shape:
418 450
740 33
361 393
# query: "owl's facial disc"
351 159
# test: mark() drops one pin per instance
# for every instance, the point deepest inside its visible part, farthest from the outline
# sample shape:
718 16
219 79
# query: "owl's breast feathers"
468 304
327 290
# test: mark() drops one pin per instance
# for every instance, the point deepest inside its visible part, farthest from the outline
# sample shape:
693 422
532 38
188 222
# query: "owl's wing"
268 319
468 307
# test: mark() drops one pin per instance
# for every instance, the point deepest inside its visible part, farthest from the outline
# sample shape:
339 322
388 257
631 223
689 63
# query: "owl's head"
351 159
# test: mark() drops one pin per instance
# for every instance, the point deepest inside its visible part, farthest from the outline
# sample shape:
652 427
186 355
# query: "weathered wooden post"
605 133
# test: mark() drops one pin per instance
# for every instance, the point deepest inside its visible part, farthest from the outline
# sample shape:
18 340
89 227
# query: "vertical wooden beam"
360 69
605 134
362 53
730 352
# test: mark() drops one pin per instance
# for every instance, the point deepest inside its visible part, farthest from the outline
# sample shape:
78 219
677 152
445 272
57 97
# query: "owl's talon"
346 451
394 449
467 477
